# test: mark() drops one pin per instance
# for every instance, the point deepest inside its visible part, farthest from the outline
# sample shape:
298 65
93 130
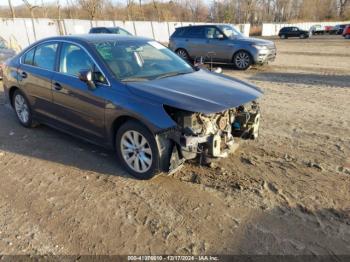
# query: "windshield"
141 61
229 31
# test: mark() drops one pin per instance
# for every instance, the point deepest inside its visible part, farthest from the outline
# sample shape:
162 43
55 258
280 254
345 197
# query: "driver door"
218 49
79 109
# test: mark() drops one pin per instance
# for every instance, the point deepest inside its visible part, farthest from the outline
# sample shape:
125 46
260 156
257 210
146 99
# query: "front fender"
150 114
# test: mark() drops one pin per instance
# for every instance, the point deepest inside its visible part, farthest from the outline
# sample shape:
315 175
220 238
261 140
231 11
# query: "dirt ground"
287 193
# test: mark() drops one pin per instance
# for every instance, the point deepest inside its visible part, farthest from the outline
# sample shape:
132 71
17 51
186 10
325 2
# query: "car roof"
95 38
191 26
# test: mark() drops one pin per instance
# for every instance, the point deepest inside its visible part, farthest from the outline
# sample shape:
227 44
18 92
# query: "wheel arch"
11 92
119 121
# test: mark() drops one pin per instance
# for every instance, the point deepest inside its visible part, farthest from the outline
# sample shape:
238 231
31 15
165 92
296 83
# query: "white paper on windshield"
156 45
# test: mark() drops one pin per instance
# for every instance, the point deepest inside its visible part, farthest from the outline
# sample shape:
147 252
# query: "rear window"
195 32
179 32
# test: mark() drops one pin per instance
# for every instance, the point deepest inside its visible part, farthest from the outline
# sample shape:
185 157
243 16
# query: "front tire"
242 60
22 108
137 150
183 54
283 37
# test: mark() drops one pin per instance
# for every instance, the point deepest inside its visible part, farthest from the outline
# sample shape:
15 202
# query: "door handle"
57 86
24 74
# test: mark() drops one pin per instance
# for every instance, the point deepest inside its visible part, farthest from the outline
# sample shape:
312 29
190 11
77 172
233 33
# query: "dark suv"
221 44
292 31
109 30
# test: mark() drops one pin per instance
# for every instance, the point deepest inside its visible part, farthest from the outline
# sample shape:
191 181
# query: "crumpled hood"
201 91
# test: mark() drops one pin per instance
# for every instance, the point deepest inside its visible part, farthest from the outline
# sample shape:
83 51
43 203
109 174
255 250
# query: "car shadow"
48 144
342 81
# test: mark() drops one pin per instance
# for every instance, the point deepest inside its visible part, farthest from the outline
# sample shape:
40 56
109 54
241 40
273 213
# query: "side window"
45 56
73 59
29 56
212 32
195 32
103 31
179 32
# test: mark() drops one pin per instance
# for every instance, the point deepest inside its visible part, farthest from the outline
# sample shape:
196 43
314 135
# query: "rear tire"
302 36
137 150
23 110
242 60
283 37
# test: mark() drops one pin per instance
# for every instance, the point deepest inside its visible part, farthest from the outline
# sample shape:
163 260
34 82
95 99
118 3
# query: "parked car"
346 32
317 30
340 28
221 44
5 53
109 30
133 95
292 31
328 29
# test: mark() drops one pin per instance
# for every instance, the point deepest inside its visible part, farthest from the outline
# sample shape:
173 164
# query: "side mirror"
87 77
220 36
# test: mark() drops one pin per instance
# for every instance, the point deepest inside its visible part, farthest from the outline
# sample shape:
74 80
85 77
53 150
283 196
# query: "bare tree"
30 7
92 7
129 6
342 4
141 10
156 8
13 15
58 6
44 9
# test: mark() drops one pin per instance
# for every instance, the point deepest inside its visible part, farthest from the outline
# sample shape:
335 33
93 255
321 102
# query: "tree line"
224 11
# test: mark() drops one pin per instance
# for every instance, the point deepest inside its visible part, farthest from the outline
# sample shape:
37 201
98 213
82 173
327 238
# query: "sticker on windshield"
156 45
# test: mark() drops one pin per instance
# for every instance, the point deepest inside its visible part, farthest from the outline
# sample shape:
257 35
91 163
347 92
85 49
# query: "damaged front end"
206 137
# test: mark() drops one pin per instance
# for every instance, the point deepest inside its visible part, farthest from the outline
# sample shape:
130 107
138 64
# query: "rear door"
35 75
295 32
195 41
78 108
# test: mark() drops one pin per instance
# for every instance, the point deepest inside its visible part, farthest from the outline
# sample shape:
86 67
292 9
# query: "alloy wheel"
136 151
22 108
242 60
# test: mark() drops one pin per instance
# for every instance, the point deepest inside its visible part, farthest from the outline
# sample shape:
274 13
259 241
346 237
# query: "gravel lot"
287 193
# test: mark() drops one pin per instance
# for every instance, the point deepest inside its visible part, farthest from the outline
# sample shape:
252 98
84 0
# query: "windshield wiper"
172 74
